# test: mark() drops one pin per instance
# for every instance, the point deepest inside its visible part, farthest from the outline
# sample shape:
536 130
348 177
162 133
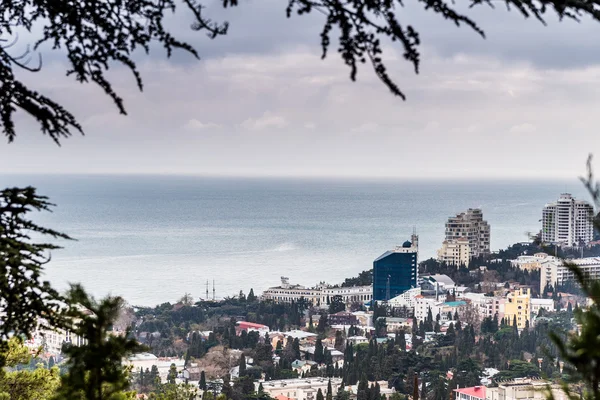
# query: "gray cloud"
261 102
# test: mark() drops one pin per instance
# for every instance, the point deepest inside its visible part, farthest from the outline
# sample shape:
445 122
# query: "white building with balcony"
568 221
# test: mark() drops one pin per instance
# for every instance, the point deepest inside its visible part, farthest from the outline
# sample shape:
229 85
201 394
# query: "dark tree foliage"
95 370
336 304
24 297
95 35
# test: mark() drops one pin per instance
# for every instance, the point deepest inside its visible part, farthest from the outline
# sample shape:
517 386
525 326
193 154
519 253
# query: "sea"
151 239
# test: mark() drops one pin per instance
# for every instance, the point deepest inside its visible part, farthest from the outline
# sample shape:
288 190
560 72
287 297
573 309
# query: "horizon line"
299 176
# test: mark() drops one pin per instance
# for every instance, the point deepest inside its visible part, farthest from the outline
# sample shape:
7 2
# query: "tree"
329 391
423 390
25 300
187 299
339 341
242 365
319 355
323 323
39 383
171 391
202 383
320 395
251 297
337 304
93 36
95 371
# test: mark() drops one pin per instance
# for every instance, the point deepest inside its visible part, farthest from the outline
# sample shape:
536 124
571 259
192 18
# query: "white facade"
524 388
471 226
532 263
406 299
422 306
299 389
486 306
352 294
455 252
556 273
53 340
568 221
287 293
538 304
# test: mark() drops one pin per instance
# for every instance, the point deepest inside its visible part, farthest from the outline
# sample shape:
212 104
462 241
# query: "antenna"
213 290
207 290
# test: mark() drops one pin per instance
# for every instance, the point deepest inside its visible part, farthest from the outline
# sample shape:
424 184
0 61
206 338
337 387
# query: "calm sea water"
153 238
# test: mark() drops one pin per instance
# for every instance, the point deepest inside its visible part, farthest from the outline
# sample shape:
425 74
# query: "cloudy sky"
521 103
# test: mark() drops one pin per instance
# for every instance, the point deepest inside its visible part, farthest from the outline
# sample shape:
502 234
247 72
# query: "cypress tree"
416 387
202 381
320 395
251 297
242 365
329 391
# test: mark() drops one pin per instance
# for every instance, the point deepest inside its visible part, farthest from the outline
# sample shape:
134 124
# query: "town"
470 324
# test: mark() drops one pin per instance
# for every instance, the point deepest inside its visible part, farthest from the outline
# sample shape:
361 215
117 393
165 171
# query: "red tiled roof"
282 397
475 391
244 324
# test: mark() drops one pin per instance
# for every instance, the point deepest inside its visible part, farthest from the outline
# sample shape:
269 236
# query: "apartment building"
518 305
555 273
487 306
471 226
568 221
406 299
455 252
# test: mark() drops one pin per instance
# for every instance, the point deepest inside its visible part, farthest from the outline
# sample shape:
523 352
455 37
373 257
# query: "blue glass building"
395 271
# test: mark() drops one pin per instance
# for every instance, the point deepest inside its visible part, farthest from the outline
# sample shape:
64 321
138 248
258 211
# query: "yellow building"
455 252
518 304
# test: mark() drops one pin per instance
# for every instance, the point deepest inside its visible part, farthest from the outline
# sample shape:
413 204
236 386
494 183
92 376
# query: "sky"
521 103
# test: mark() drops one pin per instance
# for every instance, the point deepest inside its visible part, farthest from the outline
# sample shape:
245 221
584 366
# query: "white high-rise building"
568 221
471 226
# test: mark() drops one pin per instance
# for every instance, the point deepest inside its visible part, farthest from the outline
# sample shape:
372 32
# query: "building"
532 263
518 305
487 306
342 318
394 324
395 271
299 389
406 299
436 285
287 293
538 304
568 221
249 327
470 393
555 273
424 304
471 226
524 388
455 252
53 340
351 294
